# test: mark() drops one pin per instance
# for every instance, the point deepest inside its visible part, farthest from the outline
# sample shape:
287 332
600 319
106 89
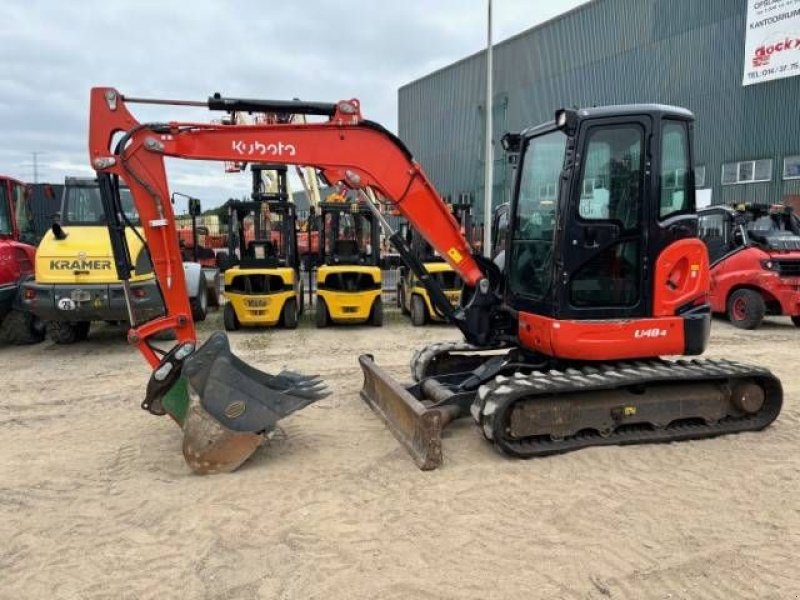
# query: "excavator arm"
235 405
346 148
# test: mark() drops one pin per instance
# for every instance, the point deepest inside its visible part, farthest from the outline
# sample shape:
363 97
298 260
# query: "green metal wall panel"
684 52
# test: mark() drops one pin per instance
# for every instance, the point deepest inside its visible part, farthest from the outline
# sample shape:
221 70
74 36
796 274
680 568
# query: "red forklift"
755 261
17 252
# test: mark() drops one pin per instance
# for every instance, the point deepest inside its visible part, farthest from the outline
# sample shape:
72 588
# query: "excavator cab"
348 273
602 273
263 285
413 297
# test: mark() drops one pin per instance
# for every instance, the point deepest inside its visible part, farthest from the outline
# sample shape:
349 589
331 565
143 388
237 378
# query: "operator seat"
346 251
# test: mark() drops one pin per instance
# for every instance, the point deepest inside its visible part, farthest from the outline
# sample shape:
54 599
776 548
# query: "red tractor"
755 262
16 264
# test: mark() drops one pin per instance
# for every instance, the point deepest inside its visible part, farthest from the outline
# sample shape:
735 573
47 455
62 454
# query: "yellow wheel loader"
76 282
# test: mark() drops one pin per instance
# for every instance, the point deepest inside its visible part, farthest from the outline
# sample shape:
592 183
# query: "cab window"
611 191
674 170
83 206
23 216
531 264
5 215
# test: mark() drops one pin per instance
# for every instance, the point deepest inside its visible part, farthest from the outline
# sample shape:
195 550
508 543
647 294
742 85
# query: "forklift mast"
274 221
462 212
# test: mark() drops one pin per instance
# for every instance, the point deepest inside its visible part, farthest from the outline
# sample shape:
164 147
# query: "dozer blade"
416 426
233 406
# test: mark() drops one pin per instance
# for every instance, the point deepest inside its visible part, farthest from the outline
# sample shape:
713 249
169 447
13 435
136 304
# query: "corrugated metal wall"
684 52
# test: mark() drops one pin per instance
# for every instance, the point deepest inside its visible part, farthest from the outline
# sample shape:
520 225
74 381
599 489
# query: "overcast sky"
52 52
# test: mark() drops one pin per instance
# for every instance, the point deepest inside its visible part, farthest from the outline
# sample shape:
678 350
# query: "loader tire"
376 314
289 316
746 309
20 328
321 313
199 303
229 318
796 321
418 311
63 332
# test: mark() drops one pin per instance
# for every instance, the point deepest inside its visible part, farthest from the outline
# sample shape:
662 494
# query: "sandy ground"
96 501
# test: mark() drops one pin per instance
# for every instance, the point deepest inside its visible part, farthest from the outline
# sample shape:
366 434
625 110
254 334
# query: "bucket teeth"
232 405
306 386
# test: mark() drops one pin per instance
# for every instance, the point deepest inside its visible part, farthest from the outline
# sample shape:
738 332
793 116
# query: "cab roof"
657 111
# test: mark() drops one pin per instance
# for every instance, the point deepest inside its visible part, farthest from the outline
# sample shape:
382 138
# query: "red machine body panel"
745 269
602 340
16 258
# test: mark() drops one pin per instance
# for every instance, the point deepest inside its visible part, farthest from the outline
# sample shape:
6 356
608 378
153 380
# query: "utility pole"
35 166
488 150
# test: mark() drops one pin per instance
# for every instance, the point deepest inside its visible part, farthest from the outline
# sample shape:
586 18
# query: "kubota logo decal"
261 149
655 332
80 265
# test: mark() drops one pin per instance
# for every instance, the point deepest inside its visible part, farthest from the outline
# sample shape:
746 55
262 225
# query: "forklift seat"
261 249
346 251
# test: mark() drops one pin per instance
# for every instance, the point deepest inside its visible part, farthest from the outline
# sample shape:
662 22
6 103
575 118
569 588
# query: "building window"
791 167
747 171
700 177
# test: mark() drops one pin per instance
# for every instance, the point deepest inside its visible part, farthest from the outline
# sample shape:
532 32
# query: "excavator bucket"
230 407
417 426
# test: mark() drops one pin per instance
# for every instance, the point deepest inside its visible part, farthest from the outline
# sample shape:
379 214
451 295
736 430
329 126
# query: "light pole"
35 166
488 150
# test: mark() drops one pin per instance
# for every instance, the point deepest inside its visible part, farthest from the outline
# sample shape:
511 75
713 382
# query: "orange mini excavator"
602 273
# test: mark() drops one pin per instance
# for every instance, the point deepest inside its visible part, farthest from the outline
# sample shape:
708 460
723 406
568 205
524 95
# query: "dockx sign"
772 40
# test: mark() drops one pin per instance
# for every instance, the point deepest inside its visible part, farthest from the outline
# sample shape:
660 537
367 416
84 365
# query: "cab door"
604 269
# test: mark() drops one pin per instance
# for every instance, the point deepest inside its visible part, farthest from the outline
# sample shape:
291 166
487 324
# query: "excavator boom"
224 406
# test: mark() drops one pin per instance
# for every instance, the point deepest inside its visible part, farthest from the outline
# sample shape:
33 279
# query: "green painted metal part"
176 400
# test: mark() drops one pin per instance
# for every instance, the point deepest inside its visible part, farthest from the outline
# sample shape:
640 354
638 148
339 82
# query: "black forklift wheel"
289 316
418 311
229 318
746 309
376 314
321 313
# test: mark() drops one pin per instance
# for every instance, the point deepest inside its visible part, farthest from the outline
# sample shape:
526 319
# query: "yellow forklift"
412 296
262 280
348 272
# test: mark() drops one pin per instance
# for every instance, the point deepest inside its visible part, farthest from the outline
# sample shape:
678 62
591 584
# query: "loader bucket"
416 426
233 406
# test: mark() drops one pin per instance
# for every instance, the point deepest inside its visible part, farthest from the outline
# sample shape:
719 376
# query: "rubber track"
497 398
423 357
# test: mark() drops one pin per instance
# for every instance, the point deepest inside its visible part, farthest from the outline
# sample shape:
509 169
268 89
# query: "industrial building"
682 52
